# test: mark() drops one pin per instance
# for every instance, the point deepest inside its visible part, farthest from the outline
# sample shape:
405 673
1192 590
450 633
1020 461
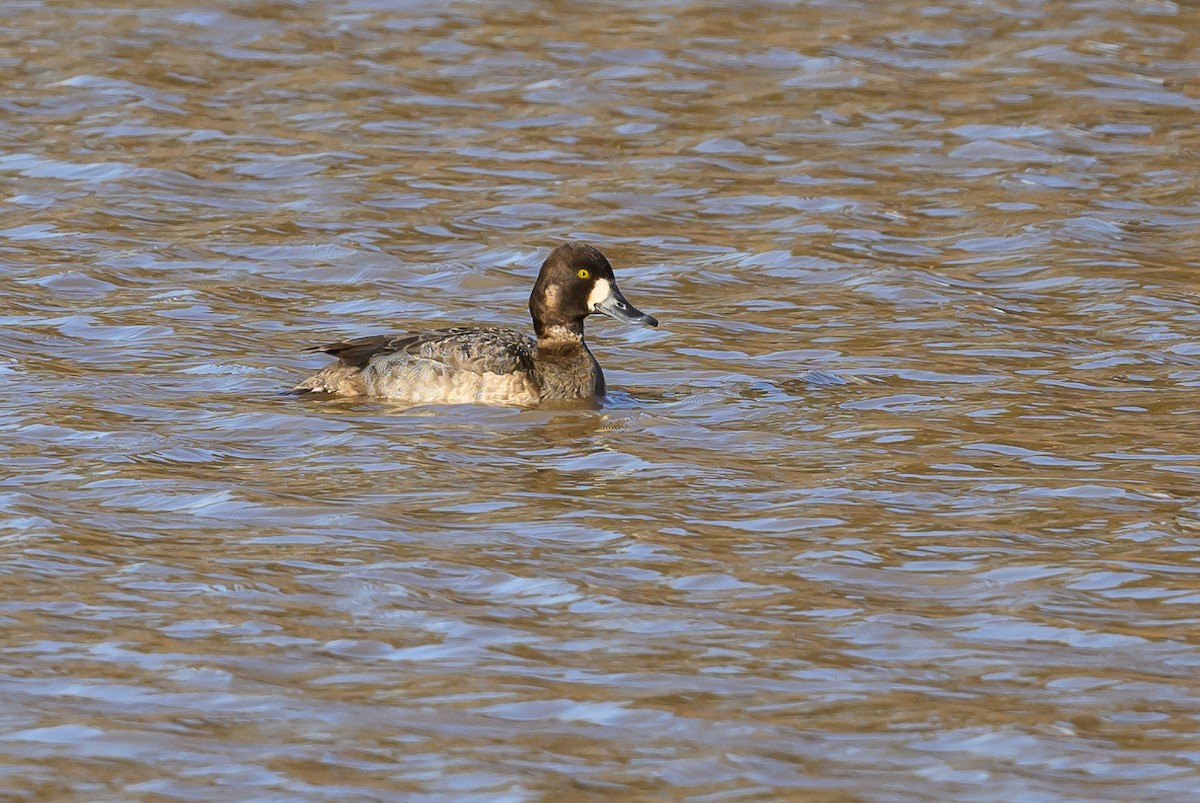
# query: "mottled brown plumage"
491 365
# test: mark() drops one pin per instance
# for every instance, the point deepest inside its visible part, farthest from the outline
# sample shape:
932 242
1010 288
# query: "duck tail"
336 379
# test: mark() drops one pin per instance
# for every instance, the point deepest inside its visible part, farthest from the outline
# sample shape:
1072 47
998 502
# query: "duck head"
576 281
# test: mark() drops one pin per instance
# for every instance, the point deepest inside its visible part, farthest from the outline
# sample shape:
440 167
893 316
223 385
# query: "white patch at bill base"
600 291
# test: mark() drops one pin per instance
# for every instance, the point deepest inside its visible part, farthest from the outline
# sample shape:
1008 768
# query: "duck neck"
563 365
565 331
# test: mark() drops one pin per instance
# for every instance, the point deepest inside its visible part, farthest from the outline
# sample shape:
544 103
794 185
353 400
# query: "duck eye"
583 273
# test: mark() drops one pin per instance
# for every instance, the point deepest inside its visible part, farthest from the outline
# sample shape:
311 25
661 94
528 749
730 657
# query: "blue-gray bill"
614 305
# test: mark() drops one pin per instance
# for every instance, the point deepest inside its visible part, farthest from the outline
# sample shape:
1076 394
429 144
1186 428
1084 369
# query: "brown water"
974 575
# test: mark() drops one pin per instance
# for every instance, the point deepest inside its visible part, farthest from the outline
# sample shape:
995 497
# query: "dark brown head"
576 280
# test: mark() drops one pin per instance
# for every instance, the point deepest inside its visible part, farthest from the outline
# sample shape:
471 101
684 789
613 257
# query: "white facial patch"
601 291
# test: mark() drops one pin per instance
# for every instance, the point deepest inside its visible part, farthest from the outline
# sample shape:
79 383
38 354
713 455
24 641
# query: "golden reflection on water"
900 500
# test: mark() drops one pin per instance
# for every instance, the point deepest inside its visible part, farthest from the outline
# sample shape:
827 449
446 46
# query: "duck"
492 365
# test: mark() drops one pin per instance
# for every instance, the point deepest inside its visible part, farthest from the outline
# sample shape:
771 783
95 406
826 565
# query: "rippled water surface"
900 502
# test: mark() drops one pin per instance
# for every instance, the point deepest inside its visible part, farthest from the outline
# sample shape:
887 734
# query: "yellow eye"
583 273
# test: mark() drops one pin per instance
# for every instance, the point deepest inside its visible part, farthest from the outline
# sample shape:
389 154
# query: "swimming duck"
490 365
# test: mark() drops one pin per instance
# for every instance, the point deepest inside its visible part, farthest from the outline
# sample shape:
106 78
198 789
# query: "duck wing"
478 350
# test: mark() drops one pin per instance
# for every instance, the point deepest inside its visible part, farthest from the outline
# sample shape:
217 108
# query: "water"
900 502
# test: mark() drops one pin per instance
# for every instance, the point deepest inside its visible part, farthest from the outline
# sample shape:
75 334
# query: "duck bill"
607 300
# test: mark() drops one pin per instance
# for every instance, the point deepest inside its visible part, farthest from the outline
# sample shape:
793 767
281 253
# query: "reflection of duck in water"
492 365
